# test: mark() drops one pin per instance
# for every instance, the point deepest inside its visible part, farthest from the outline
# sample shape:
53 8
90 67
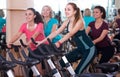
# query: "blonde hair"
51 11
87 12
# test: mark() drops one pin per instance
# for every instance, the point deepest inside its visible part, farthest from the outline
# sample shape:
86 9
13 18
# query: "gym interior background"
14 10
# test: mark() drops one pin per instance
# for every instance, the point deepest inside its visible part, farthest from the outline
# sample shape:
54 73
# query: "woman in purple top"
98 31
117 20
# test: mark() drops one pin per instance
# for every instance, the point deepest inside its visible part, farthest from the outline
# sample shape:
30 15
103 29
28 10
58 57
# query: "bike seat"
92 75
32 61
6 65
109 67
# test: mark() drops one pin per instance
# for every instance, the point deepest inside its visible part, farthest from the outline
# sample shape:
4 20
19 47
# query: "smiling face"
30 16
46 11
97 13
69 11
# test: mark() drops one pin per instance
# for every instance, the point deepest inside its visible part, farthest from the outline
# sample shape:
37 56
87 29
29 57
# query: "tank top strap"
67 26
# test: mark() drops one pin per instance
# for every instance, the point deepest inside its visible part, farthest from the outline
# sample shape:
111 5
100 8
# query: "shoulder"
54 20
24 25
105 22
91 17
105 25
80 22
117 17
40 27
92 23
40 23
2 18
84 17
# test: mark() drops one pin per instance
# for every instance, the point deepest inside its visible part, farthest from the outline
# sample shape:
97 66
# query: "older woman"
50 23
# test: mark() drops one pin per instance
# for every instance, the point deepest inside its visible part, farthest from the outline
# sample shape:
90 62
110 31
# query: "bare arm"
15 37
102 36
38 31
54 27
78 26
54 33
88 30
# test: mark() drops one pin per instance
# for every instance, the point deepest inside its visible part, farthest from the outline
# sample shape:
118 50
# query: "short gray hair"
2 13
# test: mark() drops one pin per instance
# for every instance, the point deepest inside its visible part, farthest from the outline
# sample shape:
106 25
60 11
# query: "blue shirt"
48 29
87 20
2 23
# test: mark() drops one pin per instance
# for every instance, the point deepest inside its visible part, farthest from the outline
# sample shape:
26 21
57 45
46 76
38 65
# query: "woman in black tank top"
76 31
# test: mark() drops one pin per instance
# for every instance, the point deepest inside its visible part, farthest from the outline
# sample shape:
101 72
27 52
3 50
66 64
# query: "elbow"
70 34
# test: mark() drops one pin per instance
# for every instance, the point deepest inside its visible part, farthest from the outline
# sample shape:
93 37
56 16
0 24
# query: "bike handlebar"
46 49
54 46
21 42
34 41
14 60
30 51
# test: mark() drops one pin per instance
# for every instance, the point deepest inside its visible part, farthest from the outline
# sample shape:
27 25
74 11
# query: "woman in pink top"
32 28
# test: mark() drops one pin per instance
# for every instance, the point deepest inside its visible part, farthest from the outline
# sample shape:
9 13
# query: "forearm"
14 38
65 38
53 34
88 30
97 40
101 37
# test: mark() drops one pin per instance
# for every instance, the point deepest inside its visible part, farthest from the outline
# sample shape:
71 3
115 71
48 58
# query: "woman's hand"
38 43
9 45
27 44
57 44
94 42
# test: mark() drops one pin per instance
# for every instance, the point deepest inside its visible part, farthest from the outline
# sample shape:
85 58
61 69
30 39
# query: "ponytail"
78 14
38 18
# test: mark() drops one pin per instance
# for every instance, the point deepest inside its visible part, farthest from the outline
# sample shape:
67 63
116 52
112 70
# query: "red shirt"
38 28
4 28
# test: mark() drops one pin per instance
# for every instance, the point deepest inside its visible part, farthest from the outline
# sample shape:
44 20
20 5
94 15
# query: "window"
59 5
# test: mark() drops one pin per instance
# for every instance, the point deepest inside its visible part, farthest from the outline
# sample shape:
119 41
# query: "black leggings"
117 36
86 57
107 53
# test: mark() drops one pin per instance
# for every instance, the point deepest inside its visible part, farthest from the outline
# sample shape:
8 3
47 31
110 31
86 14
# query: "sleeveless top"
81 39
